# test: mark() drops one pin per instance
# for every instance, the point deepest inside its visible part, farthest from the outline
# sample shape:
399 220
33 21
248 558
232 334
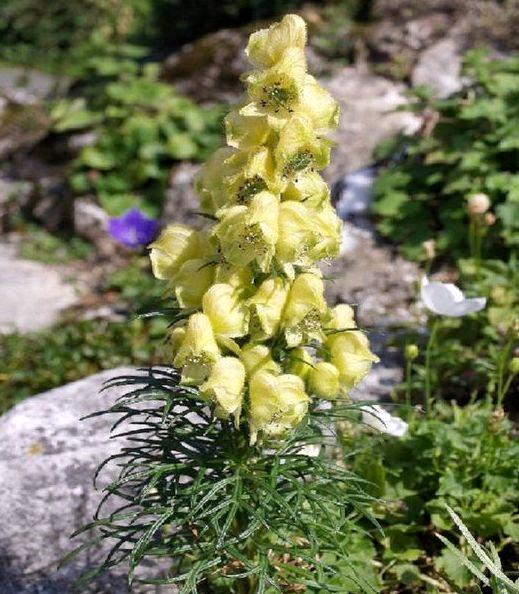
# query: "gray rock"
47 461
32 294
439 67
91 222
21 128
27 87
181 203
368 116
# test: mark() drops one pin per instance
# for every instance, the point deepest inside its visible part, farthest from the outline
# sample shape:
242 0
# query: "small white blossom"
445 299
378 418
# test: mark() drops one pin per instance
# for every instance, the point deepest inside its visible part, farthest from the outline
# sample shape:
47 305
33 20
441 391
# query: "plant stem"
408 370
502 388
428 374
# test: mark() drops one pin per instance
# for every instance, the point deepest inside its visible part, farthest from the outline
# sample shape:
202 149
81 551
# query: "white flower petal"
446 299
378 418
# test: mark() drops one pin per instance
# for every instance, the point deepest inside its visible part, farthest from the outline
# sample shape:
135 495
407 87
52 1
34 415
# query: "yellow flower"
309 234
328 227
230 275
209 183
266 47
227 312
225 386
249 234
275 92
300 362
258 357
300 150
277 403
253 173
341 317
305 310
192 281
198 351
308 187
175 245
266 308
350 353
298 234
246 132
318 106
323 380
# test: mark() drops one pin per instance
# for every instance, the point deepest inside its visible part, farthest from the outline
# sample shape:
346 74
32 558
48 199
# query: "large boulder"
47 461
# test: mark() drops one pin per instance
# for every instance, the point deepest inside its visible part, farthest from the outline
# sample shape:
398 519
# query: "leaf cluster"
141 128
464 458
209 512
473 147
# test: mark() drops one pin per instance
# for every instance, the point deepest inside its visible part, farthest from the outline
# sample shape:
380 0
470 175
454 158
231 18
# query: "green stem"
502 388
408 371
428 374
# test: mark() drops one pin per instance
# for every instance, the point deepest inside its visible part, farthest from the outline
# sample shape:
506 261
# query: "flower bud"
429 247
341 317
490 219
323 380
351 355
300 362
478 204
513 366
267 46
225 386
411 352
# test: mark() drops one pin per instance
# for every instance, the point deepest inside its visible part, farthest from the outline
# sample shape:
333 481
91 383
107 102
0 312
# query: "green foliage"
142 127
465 458
42 246
228 516
47 32
474 147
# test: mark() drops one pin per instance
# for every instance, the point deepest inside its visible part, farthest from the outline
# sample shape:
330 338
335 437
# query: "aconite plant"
228 480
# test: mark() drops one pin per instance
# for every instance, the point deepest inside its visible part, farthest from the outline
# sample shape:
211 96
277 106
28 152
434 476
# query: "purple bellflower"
133 228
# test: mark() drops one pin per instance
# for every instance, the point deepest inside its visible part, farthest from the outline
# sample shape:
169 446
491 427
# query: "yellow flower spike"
300 362
198 352
267 46
350 353
277 403
246 132
175 245
323 380
227 312
192 281
300 150
249 234
225 387
305 310
319 106
253 276
266 307
258 357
